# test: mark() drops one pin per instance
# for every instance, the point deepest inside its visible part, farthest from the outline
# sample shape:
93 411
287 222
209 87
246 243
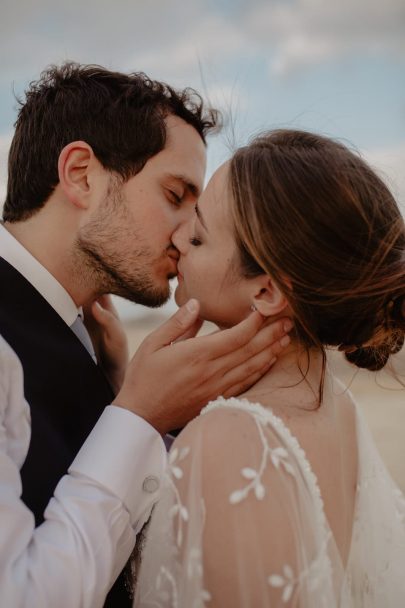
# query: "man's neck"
51 244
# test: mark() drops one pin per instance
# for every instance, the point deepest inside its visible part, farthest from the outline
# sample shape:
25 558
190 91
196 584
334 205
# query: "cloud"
185 44
5 141
96 31
307 32
209 38
171 39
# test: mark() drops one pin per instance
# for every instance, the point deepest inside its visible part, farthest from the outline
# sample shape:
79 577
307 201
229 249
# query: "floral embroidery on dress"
320 567
195 570
165 575
172 596
166 591
313 576
174 470
286 581
278 456
266 417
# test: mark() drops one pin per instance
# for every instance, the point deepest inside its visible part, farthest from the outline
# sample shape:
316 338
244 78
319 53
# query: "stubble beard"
99 262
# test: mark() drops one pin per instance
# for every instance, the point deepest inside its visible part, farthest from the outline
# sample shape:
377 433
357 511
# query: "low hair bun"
375 357
368 357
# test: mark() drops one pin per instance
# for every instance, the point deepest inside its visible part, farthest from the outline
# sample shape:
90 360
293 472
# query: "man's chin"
157 298
149 296
156 295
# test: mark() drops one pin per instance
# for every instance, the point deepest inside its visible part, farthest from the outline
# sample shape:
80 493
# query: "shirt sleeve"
73 558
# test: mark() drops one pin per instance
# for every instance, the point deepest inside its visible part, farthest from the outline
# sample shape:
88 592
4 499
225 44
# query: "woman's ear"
74 165
268 299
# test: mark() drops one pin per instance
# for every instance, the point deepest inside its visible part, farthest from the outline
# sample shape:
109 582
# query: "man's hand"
174 374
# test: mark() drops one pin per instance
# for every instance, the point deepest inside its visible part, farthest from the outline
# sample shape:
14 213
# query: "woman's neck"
293 381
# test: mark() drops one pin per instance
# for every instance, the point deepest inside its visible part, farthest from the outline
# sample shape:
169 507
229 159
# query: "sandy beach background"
381 398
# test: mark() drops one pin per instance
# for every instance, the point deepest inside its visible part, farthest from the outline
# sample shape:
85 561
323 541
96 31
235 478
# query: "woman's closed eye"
195 241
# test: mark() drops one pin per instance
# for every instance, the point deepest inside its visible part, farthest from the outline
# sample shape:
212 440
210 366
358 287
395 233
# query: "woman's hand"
109 339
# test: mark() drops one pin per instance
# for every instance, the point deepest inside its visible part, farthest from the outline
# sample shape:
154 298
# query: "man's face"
126 243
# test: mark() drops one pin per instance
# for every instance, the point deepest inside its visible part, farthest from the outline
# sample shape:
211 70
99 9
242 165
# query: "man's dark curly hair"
121 116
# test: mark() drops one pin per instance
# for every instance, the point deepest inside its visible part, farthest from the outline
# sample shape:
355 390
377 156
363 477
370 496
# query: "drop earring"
253 308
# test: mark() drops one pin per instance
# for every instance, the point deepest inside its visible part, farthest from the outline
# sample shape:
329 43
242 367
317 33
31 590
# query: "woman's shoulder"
236 428
231 414
222 420
246 450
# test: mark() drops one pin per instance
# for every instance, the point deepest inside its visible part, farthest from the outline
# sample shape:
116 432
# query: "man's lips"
174 257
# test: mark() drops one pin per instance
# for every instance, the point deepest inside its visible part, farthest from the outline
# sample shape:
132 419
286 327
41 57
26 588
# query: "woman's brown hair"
315 217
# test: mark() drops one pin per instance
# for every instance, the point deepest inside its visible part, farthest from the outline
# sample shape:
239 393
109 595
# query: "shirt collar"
44 282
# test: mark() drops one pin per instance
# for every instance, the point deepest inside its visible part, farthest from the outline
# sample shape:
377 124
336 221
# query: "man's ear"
74 165
268 299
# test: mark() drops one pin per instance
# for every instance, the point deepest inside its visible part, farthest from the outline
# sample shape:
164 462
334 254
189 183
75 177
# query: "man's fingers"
242 386
192 332
243 383
273 337
268 338
181 322
242 375
220 343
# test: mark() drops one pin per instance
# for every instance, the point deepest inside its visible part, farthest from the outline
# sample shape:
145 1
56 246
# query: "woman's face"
208 266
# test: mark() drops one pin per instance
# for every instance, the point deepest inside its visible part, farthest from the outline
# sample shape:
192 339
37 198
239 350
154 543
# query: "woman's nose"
180 238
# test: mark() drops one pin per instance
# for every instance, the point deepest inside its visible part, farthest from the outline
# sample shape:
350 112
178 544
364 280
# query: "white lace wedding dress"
241 522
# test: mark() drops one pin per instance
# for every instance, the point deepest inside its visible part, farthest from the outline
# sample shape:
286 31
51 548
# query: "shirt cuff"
126 455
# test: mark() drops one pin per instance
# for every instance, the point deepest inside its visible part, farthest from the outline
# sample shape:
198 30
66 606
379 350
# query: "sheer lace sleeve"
240 522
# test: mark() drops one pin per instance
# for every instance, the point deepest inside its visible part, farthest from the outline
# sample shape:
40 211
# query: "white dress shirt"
73 558
22 260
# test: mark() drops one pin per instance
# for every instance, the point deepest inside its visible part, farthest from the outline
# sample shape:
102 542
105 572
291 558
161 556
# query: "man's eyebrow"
195 191
200 217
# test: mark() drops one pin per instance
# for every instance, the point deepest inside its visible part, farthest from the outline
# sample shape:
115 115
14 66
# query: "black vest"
66 392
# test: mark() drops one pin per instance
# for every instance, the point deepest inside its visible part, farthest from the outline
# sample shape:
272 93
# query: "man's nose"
180 238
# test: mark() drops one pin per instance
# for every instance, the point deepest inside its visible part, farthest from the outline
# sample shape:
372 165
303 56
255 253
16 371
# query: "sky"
337 68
